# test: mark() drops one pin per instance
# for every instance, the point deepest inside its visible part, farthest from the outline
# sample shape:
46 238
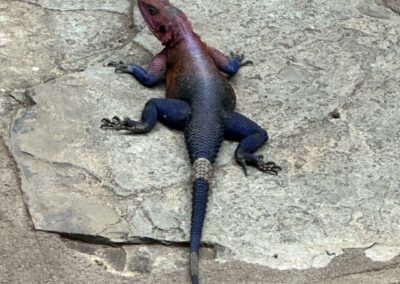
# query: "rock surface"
325 84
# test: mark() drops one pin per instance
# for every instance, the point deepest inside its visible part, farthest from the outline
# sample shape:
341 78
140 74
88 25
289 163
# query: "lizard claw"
114 63
116 119
246 63
258 162
132 126
242 163
268 167
116 123
239 58
120 67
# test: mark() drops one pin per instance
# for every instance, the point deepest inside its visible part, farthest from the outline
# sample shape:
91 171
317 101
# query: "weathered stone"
382 252
119 6
394 5
140 263
40 45
113 256
155 259
339 187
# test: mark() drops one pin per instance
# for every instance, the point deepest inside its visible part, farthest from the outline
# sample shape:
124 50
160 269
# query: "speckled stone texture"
325 83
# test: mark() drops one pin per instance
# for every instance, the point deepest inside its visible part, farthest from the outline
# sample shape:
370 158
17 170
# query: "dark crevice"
27 216
28 88
27 100
17 175
91 239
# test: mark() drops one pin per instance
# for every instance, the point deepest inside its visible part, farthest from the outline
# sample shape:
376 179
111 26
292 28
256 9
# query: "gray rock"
117 6
393 5
43 44
340 184
115 257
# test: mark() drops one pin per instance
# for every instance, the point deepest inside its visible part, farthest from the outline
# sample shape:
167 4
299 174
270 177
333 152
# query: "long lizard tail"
202 176
204 133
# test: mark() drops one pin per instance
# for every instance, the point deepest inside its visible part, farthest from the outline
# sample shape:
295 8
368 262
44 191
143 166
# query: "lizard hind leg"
171 112
251 137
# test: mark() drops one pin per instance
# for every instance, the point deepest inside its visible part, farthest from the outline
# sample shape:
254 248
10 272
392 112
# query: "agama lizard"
199 100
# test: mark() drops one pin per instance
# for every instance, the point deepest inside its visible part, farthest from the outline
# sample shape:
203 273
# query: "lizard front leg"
229 65
171 112
150 77
251 137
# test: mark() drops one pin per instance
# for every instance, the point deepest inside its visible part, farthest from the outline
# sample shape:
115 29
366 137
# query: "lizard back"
193 77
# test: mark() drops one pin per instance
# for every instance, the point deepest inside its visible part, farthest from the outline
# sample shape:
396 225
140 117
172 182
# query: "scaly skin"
199 100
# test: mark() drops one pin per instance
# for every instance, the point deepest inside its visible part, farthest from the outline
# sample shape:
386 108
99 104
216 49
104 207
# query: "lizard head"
164 20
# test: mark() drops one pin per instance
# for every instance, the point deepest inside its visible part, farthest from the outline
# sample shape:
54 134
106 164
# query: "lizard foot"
239 58
120 67
125 124
257 161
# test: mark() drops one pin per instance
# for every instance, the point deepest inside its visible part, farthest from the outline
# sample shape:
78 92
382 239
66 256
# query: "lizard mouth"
155 27
158 27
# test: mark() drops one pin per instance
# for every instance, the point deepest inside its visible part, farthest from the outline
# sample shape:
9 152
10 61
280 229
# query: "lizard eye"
152 10
163 29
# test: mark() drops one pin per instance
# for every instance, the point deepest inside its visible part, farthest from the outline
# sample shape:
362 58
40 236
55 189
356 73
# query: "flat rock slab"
339 187
40 43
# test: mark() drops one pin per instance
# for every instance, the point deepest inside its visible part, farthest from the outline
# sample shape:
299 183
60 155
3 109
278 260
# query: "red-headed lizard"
199 100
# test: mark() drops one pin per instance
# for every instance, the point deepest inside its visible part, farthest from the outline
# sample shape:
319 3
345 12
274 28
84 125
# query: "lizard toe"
116 119
106 123
242 162
258 162
115 123
268 167
246 63
239 58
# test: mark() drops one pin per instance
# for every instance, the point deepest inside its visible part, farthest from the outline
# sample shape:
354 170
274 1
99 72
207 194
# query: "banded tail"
202 169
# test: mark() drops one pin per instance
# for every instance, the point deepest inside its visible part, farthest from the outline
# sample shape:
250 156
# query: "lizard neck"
180 31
